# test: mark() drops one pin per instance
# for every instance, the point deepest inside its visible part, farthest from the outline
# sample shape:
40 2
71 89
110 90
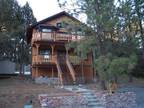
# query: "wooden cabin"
50 57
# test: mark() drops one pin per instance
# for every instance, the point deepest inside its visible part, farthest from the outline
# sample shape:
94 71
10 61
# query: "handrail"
74 59
59 71
55 37
71 69
44 58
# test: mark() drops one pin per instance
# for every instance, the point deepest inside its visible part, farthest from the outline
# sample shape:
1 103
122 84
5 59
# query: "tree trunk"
115 79
23 69
140 25
97 77
130 77
103 85
20 69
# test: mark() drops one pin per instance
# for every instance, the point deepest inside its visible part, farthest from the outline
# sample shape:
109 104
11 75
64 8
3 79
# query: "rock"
118 100
62 101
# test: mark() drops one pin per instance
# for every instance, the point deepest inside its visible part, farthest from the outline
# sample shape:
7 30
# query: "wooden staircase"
65 70
71 69
59 72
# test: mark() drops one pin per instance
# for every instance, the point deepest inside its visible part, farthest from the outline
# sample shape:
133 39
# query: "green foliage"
102 67
108 67
116 28
14 20
75 60
119 66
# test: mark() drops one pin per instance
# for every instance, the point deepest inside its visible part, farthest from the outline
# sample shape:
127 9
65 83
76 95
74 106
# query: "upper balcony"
54 36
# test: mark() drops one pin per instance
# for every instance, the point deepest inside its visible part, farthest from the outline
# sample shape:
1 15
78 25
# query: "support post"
36 72
37 52
52 72
52 48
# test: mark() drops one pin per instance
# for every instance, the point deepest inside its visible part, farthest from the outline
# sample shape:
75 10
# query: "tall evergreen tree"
114 23
14 20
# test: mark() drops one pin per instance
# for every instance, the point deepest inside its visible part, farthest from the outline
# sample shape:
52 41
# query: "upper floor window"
46 30
62 24
59 25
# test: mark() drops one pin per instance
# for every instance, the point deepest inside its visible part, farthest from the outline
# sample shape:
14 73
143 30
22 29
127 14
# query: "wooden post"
37 52
59 79
52 48
54 35
82 65
52 72
36 72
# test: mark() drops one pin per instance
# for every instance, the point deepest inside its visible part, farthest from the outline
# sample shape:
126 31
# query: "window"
59 25
46 30
45 53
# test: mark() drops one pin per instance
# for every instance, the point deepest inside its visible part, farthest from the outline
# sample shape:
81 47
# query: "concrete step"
92 104
87 93
96 107
90 97
92 100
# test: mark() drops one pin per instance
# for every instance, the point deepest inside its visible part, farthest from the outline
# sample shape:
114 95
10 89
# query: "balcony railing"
43 59
55 37
74 60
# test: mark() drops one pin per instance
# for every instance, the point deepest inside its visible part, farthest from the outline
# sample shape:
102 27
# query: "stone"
118 100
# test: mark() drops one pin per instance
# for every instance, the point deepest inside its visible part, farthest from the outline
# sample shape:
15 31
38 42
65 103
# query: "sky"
42 8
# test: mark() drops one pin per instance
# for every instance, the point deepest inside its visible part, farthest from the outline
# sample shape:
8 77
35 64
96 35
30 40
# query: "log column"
36 72
37 53
52 49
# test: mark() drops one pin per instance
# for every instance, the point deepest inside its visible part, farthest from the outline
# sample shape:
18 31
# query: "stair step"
96 107
90 97
92 100
87 94
94 104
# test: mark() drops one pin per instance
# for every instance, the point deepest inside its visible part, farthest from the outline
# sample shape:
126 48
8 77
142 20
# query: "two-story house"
50 57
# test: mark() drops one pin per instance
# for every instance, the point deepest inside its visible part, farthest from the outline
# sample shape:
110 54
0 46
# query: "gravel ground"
139 91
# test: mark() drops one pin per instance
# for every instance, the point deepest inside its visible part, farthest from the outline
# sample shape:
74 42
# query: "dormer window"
59 25
46 30
62 25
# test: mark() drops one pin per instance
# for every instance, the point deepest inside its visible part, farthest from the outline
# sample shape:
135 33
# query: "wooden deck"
41 36
43 59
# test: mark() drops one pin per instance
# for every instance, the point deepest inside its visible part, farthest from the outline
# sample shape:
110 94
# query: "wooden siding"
43 66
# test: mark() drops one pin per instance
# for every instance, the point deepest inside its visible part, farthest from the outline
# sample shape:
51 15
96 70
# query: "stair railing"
71 69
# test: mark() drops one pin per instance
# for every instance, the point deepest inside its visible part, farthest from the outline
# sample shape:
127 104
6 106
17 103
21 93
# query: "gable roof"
56 16
30 28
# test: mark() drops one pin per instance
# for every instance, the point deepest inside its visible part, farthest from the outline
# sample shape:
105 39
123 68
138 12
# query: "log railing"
75 60
39 59
41 36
